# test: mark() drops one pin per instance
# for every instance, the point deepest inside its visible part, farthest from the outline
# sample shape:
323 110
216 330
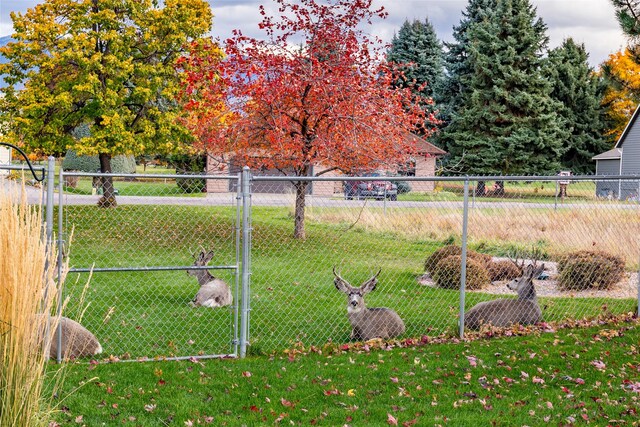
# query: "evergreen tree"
507 121
418 53
458 66
577 88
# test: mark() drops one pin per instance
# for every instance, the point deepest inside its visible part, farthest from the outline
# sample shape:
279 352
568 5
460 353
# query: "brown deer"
77 341
368 323
523 310
213 292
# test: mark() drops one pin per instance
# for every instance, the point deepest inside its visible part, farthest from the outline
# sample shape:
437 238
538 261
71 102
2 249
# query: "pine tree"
506 121
458 66
418 53
577 88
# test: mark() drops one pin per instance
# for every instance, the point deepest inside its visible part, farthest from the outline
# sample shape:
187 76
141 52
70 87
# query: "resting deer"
77 341
523 310
213 292
368 323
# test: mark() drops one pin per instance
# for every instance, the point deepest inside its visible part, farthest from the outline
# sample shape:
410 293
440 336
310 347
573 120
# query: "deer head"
355 296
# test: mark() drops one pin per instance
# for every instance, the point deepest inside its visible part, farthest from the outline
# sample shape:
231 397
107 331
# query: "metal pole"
555 203
60 260
50 187
236 317
463 272
246 259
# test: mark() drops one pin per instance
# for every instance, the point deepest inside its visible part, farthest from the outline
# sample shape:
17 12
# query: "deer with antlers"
523 310
368 323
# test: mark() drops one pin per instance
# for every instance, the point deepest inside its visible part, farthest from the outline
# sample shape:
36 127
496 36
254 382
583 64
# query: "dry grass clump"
589 269
453 250
448 272
27 288
503 270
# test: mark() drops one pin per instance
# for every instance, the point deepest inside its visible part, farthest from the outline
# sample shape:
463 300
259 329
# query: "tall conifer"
506 121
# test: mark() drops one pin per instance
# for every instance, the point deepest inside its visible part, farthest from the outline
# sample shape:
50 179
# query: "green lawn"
569 377
293 299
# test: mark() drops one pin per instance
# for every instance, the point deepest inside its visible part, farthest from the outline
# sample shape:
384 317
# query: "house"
5 159
623 159
423 163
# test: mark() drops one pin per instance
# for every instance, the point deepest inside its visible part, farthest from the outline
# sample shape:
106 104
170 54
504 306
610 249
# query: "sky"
591 22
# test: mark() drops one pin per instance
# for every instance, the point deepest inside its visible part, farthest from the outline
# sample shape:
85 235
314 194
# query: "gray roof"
627 128
614 154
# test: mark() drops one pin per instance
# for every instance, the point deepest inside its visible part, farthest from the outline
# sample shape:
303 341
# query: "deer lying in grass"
523 310
213 292
368 323
77 341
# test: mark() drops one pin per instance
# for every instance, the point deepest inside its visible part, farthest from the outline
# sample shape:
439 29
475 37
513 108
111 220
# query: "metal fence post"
463 272
246 259
60 259
50 187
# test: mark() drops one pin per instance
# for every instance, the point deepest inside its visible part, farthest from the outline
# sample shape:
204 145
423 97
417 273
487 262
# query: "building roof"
627 128
423 146
614 154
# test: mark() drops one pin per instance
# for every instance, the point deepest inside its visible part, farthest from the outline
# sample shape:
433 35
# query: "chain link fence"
405 236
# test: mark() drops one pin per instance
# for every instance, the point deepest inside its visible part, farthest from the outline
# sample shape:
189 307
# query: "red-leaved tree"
314 95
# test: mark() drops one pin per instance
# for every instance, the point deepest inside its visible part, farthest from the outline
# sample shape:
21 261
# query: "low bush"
589 269
449 250
503 270
448 271
119 164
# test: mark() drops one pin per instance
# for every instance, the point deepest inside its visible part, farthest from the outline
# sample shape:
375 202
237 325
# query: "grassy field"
565 377
293 299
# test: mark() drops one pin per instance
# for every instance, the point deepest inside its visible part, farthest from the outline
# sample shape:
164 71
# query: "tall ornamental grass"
27 288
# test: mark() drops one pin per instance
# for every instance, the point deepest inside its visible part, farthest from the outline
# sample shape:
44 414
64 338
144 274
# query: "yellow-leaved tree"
99 77
621 73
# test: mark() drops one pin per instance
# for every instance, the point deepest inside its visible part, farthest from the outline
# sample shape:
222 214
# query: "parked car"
376 189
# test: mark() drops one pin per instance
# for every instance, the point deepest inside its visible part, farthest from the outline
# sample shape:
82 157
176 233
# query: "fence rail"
283 288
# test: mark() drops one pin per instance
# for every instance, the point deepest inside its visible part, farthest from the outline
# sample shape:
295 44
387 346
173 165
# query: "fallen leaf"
391 420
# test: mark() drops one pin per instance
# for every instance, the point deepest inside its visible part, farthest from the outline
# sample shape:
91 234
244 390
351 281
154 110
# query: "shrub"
448 271
503 270
450 250
119 164
189 165
589 269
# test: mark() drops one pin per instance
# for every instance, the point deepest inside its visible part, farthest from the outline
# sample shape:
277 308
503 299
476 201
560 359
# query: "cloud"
591 22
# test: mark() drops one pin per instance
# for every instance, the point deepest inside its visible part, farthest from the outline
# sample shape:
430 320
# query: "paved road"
34 195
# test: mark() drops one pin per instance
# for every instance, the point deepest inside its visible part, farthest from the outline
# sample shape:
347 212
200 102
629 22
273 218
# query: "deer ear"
370 284
537 271
207 257
341 284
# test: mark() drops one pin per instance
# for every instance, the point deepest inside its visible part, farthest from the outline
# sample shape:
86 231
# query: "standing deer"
523 310
213 292
368 323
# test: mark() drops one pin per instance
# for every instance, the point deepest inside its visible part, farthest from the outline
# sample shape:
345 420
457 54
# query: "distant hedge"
119 164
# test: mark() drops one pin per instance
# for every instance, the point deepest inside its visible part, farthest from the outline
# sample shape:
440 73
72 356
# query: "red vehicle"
376 189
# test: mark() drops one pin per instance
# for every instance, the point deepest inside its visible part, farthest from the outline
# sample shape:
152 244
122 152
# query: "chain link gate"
138 299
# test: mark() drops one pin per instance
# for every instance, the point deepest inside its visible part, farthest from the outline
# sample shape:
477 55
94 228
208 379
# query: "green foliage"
505 122
189 165
418 53
448 272
119 164
503 270
589 269
449 250
458 65
108 66
577 88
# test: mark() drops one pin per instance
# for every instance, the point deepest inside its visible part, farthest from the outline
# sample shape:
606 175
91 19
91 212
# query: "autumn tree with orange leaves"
313 96
622 95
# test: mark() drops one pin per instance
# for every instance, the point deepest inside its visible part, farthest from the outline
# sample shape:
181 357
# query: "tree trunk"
301 194
481 189
498 189
108 199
